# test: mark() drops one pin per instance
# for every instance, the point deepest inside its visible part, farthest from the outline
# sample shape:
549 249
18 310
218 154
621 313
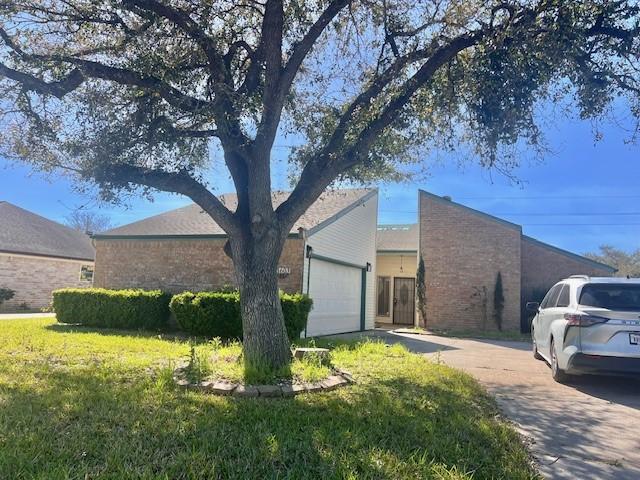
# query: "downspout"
308 253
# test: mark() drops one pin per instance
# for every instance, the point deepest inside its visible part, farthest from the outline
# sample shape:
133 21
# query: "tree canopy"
139 92
627 263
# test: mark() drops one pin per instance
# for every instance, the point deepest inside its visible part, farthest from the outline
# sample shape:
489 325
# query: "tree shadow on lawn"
165 334
87 423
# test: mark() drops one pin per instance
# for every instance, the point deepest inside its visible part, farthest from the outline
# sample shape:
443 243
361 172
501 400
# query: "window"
611 296
86 273
551 298
563 299
384 295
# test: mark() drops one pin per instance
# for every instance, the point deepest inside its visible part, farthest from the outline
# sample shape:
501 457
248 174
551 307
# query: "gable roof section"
486 216
24 232
397 238
571 255
566 253
192 221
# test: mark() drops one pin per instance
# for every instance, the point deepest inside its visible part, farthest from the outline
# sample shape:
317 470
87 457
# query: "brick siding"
543 266
176 265
34 278
463 252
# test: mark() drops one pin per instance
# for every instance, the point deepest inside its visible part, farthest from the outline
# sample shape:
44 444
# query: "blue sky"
586 190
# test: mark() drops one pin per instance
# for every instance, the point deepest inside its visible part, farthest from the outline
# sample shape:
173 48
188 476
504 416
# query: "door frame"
393 296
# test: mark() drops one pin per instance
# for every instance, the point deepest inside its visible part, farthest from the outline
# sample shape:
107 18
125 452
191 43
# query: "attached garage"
337 292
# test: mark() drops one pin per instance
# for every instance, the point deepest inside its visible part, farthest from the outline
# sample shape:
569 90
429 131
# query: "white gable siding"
352 239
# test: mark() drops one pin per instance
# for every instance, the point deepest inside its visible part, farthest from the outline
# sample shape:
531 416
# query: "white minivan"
589 325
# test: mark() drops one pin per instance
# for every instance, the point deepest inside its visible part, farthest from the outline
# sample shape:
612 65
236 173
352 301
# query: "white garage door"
335 290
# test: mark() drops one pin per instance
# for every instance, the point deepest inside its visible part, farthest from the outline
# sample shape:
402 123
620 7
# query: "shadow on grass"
165 334
91 422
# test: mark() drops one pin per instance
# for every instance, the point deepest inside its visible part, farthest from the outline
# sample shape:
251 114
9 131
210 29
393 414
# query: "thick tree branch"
271 45
29 82
323 169
124 76
174 182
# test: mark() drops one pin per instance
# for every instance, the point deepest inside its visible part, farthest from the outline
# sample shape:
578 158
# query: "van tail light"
582 320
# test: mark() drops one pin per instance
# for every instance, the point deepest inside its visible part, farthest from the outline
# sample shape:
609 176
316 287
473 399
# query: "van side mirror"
532 306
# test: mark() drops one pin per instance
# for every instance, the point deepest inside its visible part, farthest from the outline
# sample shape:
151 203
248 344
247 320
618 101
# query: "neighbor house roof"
26 233
397 238
192 221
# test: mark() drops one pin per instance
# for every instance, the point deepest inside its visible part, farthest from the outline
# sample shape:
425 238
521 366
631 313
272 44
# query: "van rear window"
611 296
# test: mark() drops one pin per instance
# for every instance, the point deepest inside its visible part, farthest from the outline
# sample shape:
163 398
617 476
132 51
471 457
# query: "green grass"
214 360
77 403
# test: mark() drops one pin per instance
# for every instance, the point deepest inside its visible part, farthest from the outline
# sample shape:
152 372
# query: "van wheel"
557 373
536 354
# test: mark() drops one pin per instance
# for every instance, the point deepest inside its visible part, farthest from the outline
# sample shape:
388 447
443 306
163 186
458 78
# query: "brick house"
38 256
330 254
358 274
463 250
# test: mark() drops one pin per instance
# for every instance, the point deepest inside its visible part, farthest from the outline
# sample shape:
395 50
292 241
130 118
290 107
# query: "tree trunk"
265 340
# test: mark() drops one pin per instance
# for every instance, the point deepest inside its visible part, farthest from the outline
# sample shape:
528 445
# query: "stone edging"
338 379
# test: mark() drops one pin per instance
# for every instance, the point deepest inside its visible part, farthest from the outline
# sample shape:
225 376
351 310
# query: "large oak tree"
137 94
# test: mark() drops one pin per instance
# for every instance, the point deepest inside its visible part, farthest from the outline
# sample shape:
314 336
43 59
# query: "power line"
543 214
542 197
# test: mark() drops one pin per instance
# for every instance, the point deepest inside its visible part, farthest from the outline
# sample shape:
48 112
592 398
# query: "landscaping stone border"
339 378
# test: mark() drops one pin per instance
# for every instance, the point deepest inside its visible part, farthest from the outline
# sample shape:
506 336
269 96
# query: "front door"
404 300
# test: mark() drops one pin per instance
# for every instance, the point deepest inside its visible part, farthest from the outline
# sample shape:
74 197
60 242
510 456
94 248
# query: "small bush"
6 294
217 314
97 307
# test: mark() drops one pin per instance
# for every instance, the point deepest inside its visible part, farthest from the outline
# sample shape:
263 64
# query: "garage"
336 289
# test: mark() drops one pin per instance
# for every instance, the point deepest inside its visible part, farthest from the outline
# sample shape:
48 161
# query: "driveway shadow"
617 390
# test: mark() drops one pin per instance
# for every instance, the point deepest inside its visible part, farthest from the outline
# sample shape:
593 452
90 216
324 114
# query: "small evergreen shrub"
98 307
6 294
217 314
498 301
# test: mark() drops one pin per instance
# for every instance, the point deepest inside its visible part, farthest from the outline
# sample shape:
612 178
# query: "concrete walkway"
589 429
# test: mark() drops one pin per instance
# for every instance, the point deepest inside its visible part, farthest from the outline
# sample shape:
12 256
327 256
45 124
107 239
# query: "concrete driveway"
589 429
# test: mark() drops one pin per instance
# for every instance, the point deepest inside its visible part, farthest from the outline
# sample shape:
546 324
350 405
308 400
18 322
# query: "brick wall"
463 252
543 266
176 265
34 278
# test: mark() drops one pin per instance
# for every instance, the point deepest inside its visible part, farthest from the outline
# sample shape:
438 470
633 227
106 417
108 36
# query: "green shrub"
97 307
6 294
217 314
211 314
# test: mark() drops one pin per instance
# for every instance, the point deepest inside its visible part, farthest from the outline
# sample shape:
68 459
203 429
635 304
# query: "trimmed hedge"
217 314
98 307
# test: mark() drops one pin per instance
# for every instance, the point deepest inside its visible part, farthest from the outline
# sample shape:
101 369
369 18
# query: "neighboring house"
330 254
38 256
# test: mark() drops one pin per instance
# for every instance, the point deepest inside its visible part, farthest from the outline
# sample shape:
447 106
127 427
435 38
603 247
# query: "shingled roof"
397 238
193 221
24 232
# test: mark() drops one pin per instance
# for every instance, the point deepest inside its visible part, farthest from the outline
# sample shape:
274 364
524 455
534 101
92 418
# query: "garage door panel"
336 293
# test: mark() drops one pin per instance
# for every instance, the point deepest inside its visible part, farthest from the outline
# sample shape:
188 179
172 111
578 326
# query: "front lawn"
77 403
